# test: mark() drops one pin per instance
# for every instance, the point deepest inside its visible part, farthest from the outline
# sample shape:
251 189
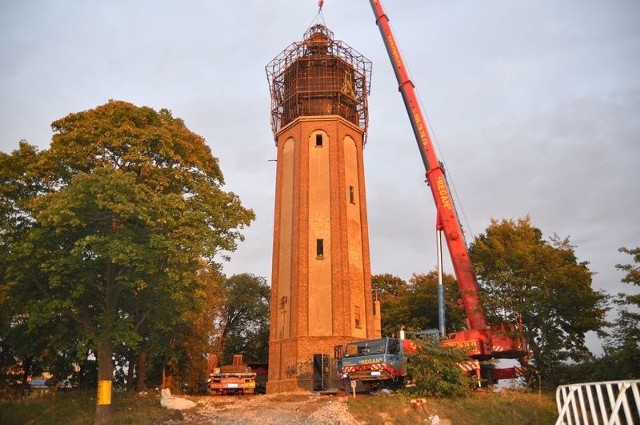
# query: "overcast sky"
535 106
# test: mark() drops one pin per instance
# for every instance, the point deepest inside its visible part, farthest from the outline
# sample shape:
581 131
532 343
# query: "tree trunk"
142 367
81 372
26 366
164 377
131 371
167 374
104 413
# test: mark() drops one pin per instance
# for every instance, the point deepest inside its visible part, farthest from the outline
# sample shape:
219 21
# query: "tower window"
352 196
357 317
319 248
318 140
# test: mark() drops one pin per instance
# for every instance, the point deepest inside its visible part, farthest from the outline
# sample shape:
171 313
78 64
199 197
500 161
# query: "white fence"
613 402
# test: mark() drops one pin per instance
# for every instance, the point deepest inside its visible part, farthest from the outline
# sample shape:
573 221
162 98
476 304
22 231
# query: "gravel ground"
276 409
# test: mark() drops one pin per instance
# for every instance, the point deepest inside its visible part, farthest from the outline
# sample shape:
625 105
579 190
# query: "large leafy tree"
390 290
622 345
414 304
540 285
22 338
632 276
181 337
243 320
386 286
111 225
422 302
622 350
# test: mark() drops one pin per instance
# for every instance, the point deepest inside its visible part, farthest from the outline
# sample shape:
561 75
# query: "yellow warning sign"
104 392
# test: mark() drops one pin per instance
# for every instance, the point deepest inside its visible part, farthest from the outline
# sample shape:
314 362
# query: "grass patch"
486 408
78 408
479 408
380 410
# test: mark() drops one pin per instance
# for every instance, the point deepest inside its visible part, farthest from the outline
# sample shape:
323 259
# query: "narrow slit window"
352 195
318 140
357 317
319 248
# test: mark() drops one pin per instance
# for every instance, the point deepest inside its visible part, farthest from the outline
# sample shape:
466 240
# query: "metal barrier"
612 402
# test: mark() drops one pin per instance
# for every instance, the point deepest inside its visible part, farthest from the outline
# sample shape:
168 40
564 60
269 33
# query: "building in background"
321 293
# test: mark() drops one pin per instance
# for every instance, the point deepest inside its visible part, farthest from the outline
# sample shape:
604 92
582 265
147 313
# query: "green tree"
540 286
111 224
633 274
390 290
414 305
386 286
622 345
422 302
199 340
26 339
243 322
181 338
622 349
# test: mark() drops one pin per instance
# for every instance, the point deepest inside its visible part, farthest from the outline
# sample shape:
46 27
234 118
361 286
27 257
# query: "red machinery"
482 342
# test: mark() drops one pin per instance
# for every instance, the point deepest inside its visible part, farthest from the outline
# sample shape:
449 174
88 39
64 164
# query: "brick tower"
321 275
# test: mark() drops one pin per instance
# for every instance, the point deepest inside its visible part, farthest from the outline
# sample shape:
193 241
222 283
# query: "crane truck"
483 343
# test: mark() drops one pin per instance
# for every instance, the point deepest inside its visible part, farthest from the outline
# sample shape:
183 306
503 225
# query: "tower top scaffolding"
319 76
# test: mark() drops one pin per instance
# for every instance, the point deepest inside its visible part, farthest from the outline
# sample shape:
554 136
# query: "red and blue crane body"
482 342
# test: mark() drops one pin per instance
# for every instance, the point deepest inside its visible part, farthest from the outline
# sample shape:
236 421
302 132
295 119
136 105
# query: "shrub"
434 371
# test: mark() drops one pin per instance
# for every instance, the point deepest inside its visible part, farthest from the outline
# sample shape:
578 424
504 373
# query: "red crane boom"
482 342
447 215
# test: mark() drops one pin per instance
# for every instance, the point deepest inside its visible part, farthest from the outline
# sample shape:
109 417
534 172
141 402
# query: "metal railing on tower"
319 76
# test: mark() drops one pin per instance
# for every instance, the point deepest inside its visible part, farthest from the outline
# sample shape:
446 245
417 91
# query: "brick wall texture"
321 273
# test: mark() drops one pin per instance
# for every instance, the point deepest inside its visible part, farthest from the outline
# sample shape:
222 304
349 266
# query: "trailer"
234 379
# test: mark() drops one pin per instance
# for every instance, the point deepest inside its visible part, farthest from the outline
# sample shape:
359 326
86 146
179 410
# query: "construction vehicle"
236 378
484 344
376 363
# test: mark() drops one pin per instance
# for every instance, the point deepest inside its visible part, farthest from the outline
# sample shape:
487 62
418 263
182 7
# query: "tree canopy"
632 271
414 305
115 226
243 319
541 286
622 350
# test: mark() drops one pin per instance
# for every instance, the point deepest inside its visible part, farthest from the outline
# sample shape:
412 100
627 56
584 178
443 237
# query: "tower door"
321 372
